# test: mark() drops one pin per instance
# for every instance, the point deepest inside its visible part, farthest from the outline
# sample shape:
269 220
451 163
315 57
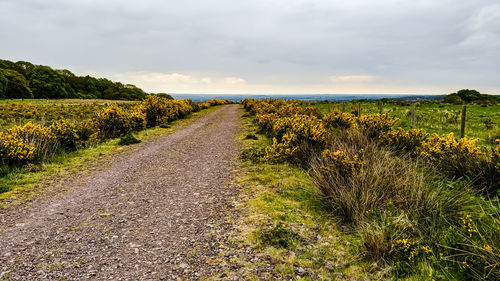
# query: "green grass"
18 185
285 218
437 118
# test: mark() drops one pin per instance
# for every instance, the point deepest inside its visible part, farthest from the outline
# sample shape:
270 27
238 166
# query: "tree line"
24 80
471 96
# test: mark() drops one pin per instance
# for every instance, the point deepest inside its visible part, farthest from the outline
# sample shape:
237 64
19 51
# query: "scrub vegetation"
30 148
417 206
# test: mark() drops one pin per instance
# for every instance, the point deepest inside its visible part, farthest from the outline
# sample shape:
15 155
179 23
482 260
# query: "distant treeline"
24 80
471 96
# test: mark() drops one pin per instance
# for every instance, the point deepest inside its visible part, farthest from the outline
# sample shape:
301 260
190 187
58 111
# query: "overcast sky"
269 46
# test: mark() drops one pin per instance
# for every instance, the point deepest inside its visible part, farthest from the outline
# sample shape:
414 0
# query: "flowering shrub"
340 164
376 125
294 128
41 138
304 127
403 140
137 120
338 119
283 150
65 134
160 111
14 150
455 157
112 122
87 132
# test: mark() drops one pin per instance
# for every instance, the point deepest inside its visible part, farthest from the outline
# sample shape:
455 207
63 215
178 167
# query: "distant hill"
24 80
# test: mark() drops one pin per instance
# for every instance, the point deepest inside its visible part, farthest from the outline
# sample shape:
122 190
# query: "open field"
440 118
65 101
20 112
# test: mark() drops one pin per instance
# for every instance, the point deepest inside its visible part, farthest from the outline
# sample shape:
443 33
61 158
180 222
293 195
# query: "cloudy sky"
263 46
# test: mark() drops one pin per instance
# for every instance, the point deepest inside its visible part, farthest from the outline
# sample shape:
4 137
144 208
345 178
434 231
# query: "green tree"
131 92
3 84
165 96
470 96
47 83
17 86
24 67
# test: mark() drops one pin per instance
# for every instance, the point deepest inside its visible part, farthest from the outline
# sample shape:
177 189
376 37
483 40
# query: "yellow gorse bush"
42 138
338 162
439 148
159 110
112 122
338 119
376 125
403 140
65 133
14 150
280 151
32 142
303 127
290 125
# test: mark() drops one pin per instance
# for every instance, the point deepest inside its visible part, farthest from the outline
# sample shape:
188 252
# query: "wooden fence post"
329 106
343 106
380 107
462 124
413 115
359 109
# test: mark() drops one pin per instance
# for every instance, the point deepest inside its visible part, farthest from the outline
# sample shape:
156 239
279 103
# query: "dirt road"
155 213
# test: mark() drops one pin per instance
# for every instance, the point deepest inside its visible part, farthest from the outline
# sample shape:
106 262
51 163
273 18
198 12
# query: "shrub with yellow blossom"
87 132
406 141
15 151
137 120
376 125
457 158
41 138
338 119
65 133
338 162
112 122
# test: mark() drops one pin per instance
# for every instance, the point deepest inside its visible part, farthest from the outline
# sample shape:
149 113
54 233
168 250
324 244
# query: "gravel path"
157 212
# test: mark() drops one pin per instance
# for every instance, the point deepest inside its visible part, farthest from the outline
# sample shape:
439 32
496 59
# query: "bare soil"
156 212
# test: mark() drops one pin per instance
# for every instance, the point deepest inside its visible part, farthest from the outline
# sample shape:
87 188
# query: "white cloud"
353 79
234 80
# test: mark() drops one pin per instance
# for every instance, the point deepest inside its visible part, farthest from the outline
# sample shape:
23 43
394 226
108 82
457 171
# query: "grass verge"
284 219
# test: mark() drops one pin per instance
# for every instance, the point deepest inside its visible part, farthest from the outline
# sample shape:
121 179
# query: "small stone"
346 229
342 264
329 266
183 265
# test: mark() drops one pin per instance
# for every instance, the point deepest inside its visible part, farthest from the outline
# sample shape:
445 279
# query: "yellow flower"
488 248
